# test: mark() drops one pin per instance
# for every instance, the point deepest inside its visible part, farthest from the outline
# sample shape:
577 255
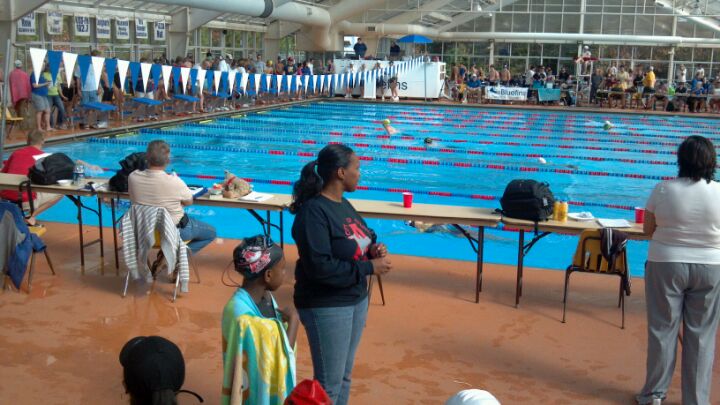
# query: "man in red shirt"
20 162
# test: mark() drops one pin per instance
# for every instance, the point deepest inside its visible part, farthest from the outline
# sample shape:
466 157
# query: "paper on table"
613 223
257 197
41 155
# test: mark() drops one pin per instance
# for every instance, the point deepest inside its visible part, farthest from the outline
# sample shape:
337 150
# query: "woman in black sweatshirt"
337 253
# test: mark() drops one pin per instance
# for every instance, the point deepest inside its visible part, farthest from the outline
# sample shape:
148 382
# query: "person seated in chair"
473 87
157 188
20 162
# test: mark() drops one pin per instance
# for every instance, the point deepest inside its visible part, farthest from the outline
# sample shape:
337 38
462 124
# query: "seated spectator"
680 100
20 162
563 76
715 100
473 87
251 322
661 95
697 97
153 371
157 188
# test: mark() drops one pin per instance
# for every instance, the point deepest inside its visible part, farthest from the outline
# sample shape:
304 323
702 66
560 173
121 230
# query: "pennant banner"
184 73
231 82
54 59
102 27
97 65
110 66
155 76
216 81
84 62
201 78
26 25
82 25
122 28
54 22
244 81
145 72
122 66
37 57
69 60
176 79
193 79
257 83
141 31
166 73
134 74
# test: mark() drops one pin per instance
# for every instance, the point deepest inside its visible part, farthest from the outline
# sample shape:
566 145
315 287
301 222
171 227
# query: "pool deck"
60 344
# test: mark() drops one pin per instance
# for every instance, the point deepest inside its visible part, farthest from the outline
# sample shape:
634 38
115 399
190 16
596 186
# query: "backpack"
132 162
50 169
527 199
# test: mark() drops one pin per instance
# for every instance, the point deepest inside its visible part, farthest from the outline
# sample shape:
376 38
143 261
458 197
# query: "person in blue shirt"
473 87
697 96
360 49
41 101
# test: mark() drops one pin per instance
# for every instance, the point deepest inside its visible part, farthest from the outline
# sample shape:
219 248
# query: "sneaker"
348 96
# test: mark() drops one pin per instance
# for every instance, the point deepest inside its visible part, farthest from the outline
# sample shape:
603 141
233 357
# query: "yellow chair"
39 232
589 259
177 277
11 120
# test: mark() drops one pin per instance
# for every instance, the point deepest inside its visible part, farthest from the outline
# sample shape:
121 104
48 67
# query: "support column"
7 31
492 42
183 24
671 64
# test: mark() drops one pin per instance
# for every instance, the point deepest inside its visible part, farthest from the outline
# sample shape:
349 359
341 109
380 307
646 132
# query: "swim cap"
256 254
386 121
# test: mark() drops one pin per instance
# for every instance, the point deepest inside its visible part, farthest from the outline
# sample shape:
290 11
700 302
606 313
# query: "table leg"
100 229
115 243
76 201
478 279
269 227
282 229
521 257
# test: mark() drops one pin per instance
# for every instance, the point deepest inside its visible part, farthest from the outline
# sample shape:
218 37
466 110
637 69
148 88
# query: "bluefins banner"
506 93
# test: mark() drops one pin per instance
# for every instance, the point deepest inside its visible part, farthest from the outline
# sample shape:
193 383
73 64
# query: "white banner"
231 81
97 67
122 28
54 23
506 93
82 25
37 57
201 79
102 27
184 74
145 72
26 25
216 80
159 31
141 31
166 72
122 67
69 60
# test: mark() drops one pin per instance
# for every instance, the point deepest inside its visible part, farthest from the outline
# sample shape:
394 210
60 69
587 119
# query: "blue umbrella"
415 39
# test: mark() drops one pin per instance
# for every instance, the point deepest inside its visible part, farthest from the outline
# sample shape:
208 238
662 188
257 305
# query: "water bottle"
78 174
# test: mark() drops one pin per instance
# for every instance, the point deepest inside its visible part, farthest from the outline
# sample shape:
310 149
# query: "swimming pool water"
475 153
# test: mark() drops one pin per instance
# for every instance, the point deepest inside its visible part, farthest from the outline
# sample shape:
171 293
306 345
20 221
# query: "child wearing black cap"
256 345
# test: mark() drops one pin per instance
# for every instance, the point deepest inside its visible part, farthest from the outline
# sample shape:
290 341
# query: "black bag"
50 169
132 162
527 199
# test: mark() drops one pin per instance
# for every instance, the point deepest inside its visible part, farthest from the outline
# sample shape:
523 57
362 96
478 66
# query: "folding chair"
11 120
589 259
370 285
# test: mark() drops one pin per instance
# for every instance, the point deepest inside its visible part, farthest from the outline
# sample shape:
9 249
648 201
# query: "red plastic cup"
639 215
407 200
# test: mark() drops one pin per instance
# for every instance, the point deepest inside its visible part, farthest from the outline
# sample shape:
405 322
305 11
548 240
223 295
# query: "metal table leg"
478 277
115 242
521 258
282 229
267 218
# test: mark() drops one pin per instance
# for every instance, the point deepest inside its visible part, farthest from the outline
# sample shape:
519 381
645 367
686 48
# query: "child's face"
275 276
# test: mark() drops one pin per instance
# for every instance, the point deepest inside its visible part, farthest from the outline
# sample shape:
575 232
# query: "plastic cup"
407 200
639 215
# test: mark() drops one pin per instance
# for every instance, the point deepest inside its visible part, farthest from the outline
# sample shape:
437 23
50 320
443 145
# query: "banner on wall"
54 23
26 25
141 31
506 93
122 28
82 25
548 94
102 27
159 31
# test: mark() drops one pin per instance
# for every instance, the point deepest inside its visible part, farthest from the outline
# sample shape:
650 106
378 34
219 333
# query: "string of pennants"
223 82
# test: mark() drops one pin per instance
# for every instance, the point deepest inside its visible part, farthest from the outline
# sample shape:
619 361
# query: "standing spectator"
56 99
360 49
649 84
595 80
41 102
394 51
20 88
89 93
505 75
493 75
530 76
563 76
699 72
338 252
682 275
681 74
259 65
311 65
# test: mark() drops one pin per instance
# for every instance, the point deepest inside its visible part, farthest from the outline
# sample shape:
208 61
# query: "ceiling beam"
414 15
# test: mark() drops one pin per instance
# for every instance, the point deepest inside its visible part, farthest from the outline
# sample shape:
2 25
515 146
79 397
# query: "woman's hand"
381 266
378 250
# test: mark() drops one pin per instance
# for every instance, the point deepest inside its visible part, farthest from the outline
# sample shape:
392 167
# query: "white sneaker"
348 96
396 99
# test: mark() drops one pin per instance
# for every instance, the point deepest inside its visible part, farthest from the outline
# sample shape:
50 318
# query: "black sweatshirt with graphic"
332 241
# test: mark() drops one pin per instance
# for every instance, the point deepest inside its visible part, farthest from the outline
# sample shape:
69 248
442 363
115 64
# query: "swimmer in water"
388 128
608 126
428 141
542 161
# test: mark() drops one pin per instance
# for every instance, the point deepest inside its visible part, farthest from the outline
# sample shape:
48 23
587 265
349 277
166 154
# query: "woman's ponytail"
309 185
316 173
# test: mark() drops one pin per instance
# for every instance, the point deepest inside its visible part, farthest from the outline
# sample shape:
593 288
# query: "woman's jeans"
58 103
334 334
198 233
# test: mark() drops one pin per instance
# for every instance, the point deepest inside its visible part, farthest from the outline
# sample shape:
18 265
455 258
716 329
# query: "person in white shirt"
223 65
700 72
529 76
682 275
681 74
310 65
351 80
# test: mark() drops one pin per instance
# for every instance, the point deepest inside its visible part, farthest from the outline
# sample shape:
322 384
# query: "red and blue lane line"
418 149
402 161
456 141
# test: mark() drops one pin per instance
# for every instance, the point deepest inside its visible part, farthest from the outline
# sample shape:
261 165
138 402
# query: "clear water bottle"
78 174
